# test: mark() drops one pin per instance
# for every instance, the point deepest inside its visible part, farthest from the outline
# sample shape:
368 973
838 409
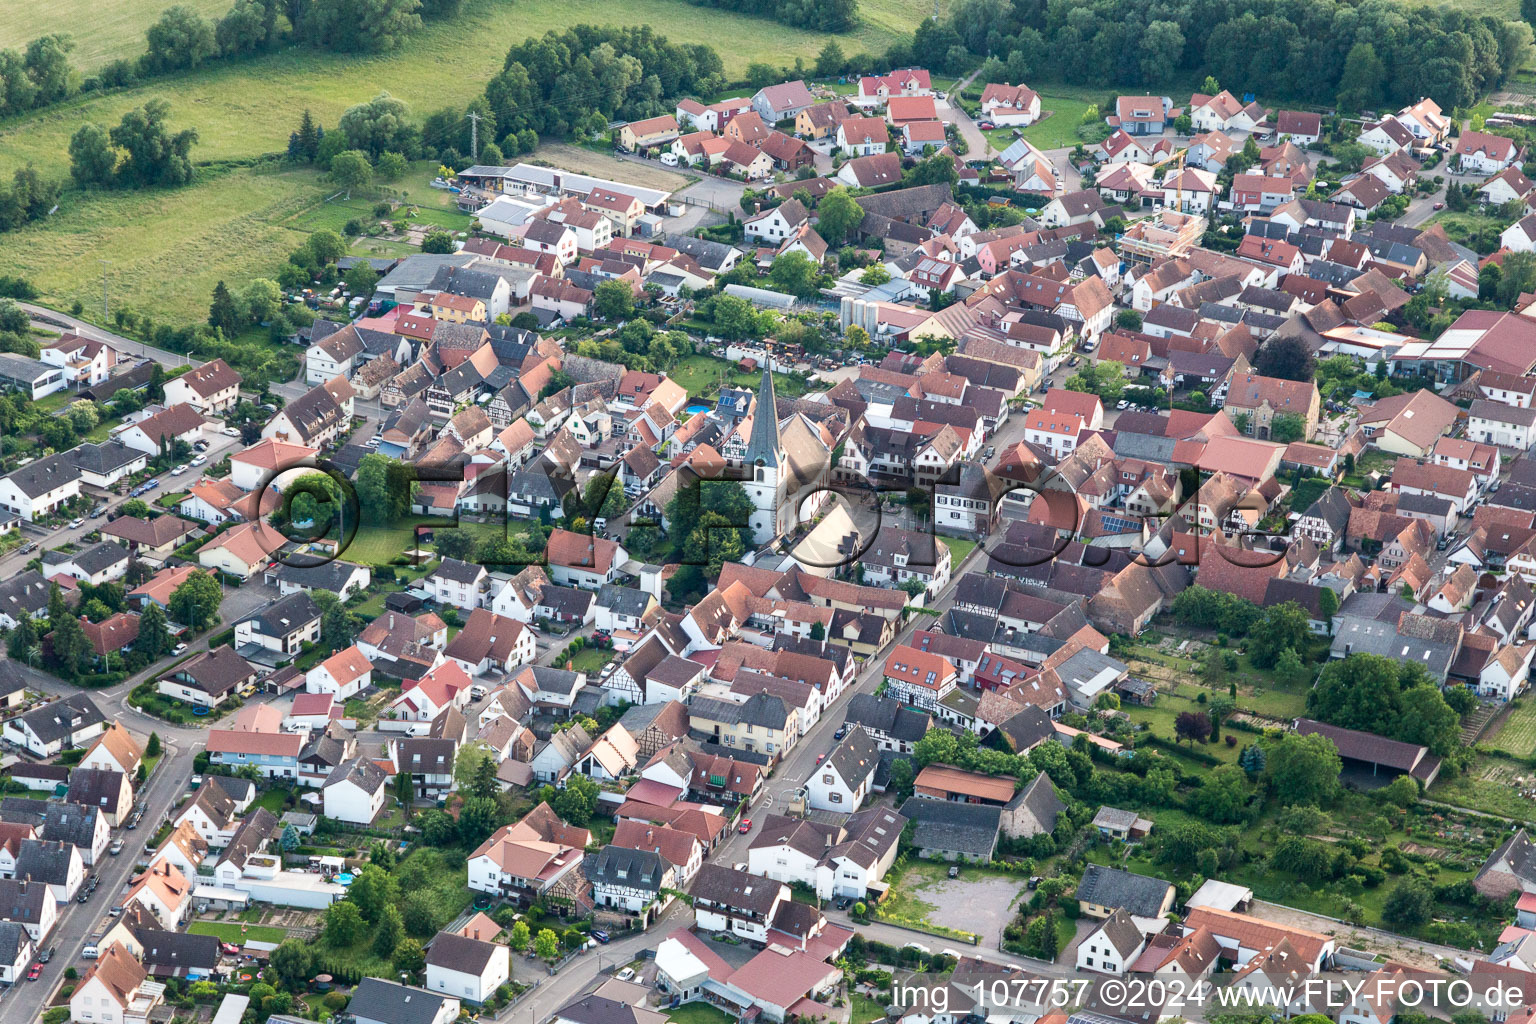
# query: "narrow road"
78 921
54 320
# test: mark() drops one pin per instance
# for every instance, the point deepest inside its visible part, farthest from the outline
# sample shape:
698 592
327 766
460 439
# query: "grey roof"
764 444
103 458
416 272
63 718
46 474
330 576
1111 887
459 572
70 823
1040 799
596 1009
389 1002
460 953
761 709
361 771
631 869
177 952
855 758
623 600
12 679
13 939
1333 508
1122 933
888 716
727 887
286 614
43 860
23 368
943 825
94 559
566 601
22 901
95 787
709 255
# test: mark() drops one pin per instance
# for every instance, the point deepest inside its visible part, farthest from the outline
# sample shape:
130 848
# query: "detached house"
213 388
1483 153
1010 104
846 777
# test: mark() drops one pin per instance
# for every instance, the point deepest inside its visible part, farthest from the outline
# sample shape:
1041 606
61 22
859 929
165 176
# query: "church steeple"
763 446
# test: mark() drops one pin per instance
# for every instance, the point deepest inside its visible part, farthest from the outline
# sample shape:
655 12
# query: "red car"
820 758
745 826
229 948
35 973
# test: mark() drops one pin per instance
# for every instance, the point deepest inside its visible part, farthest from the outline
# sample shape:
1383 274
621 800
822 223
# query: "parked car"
229 948
75 524
844 902
600 936
626 974
201 446
198 460
179 470
85 894
35 973
230 432
842 731
179 649
98 511
745 826
46 955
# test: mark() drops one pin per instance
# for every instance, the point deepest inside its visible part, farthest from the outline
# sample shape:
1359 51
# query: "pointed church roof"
764 443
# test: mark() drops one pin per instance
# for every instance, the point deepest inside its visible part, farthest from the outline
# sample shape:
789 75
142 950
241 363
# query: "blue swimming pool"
696 408
345 878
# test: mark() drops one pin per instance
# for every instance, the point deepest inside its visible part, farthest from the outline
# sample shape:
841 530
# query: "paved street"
77 921
53 320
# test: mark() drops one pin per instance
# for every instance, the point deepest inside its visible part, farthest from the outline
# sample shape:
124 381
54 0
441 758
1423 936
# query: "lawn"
590 660
700 1013
701 375
381 545
226 931
958 549
1517 736
272 800
865 1010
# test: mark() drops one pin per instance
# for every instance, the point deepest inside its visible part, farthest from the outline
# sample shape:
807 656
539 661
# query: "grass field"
1489 786
226 931
246 108
1517 736
101 32
381 545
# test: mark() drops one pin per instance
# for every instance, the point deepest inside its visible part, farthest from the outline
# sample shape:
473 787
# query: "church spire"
763 446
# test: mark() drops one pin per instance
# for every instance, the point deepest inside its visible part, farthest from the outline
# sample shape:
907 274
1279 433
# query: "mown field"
168 248
102 31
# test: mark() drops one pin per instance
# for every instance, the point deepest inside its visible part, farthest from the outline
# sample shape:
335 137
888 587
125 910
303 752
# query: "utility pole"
105 315
474 134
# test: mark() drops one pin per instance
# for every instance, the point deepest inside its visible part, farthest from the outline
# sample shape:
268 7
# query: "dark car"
85 894
844 902
602 937
46 955
842 731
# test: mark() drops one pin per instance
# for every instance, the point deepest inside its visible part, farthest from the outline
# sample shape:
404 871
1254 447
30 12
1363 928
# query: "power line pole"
105 315
474 134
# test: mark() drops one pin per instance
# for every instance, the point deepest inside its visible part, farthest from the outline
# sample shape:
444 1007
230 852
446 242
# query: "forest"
1361 55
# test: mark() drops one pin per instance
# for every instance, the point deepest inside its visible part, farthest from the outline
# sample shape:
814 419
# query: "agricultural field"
1517 731
1492 785
247 108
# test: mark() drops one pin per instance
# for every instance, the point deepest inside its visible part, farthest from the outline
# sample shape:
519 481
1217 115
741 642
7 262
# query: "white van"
90 952
477 691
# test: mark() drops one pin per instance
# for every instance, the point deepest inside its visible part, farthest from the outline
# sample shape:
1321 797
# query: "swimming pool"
696 408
